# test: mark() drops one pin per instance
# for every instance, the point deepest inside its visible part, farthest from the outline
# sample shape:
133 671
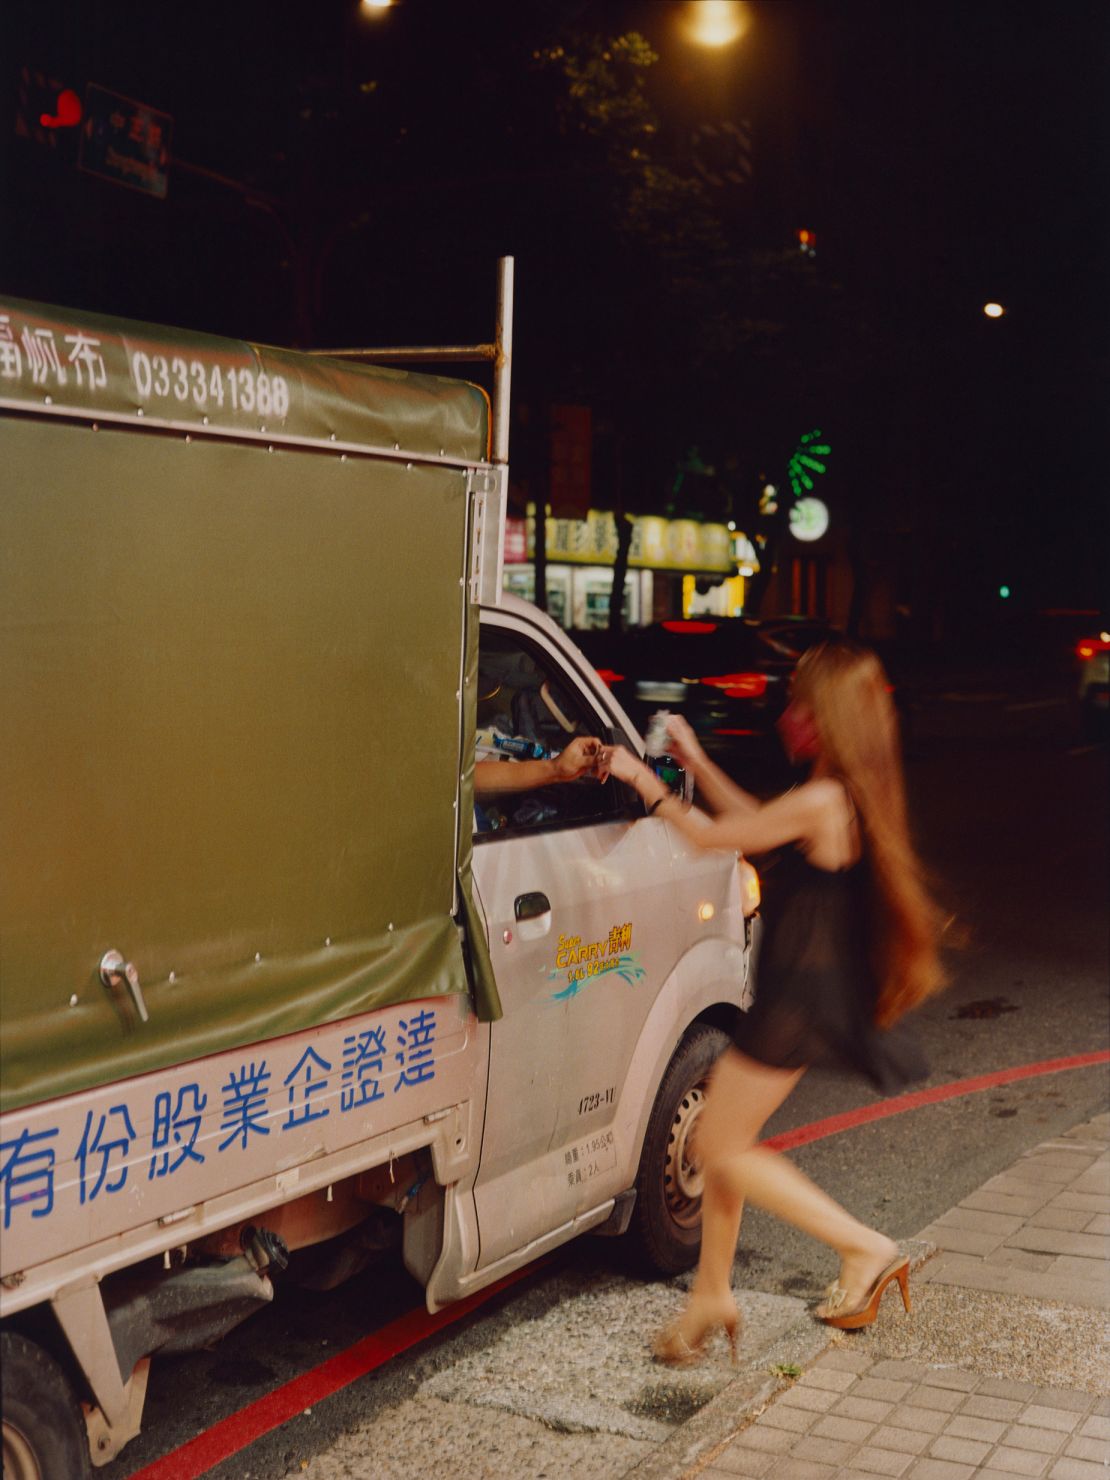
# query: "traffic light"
1004 592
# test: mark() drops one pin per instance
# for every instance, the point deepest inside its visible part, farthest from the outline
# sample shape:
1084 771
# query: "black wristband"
658 802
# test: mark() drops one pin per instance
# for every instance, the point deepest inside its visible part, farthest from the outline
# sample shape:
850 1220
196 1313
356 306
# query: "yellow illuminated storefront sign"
657 544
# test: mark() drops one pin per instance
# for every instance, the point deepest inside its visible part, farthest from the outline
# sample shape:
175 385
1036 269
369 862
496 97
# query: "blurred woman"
849 945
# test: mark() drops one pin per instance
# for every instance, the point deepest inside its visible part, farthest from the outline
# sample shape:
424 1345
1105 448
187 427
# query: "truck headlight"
750 894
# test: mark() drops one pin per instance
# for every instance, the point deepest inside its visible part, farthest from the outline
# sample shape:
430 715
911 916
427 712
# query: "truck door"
574 912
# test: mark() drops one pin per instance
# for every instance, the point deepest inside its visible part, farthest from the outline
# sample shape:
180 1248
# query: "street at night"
555 835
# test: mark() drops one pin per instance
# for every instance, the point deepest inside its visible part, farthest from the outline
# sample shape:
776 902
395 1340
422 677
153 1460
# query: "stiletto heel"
865 1313
673 1347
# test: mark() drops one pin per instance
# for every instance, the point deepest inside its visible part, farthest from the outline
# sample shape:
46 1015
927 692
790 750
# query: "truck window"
524 702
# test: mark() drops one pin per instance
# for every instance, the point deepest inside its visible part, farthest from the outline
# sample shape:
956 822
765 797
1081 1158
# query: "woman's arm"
794 817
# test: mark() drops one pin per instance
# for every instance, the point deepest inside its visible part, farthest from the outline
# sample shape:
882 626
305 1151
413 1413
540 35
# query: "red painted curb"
817 1130
234 1433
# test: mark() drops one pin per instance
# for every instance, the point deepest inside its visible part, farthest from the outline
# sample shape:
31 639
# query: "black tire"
665 1233
44 1433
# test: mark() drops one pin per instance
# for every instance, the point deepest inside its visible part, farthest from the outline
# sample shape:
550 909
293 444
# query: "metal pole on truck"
492 492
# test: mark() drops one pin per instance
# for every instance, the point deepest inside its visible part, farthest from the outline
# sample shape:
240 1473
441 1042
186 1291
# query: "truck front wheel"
44 1433
665 1232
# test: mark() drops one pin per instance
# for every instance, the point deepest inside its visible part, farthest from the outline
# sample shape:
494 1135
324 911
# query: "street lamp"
993 310
716 23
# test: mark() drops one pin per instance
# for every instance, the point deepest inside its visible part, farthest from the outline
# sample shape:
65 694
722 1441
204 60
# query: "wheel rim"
682 1176
19 1458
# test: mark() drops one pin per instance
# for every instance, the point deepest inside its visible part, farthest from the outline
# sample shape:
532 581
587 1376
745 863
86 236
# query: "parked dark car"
729 677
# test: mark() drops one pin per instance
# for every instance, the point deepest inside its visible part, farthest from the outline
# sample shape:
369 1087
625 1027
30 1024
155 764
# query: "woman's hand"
580 758
685 745
621 763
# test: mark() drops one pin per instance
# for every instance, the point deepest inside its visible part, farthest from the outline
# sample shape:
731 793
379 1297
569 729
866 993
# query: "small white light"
706 911
993 310
732 524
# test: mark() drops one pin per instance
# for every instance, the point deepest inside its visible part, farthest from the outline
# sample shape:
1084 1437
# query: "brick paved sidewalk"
1018 1290
850 1416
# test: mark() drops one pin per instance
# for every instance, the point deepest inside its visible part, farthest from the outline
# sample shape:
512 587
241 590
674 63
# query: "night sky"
944 153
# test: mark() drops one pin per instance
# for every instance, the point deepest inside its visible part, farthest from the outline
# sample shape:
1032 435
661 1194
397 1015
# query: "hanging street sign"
125 142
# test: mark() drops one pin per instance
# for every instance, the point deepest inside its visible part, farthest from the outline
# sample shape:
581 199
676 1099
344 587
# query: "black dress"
815 990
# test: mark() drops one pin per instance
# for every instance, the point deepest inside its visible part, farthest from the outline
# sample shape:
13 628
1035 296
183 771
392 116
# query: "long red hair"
846 690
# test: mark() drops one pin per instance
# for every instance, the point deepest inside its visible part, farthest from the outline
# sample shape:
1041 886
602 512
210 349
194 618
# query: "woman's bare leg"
743 1094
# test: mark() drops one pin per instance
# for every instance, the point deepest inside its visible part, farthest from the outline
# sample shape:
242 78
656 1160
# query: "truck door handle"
531 906
114 970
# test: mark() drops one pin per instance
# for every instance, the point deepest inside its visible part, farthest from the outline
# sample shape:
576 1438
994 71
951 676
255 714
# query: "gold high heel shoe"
672 1346
864 1313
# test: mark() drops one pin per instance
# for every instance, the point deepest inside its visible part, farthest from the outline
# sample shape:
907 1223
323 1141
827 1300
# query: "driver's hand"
580 758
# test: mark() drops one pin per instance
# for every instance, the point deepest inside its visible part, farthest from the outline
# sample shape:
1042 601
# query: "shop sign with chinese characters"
125 142
657 544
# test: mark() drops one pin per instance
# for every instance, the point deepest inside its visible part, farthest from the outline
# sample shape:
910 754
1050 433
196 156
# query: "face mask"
798 732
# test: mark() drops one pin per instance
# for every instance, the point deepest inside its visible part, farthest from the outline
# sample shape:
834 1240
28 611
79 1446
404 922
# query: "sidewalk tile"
1067 1398
907 1441
963 1427
978 1221
815 1399
1102 1408
829 1378
965 1240
873 1461
1075 1220
886 1390
1059 1167
1100 1223
1096 1450
967 1451
804 1469
1063 1420
1021 1461
839 1359
1088 1202
749 1462
982 1407
1000 1202
1032 1189
824 1451
1059 1241
1025 1436
1076 1469
869 1409
900 1371
954 1378
797 1420
947 1400
848 1430
772 1441
1004 1387
929 1420
1095 1427
988 1472
1020 1259
940 1469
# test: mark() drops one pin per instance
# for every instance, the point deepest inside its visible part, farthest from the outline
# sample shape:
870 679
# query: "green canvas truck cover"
234 632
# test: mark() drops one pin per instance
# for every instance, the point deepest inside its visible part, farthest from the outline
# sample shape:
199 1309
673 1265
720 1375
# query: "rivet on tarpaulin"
74 1000
392 1178
257 957
507 937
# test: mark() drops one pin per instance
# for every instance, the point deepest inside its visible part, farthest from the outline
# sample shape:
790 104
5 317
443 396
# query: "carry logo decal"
579 962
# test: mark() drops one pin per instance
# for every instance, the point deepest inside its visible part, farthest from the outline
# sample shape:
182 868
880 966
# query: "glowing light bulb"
993 310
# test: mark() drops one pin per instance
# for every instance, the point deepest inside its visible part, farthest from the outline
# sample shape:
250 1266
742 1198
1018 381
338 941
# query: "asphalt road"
1010 810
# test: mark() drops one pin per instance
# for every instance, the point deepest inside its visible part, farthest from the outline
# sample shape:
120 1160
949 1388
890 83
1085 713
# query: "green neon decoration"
805 460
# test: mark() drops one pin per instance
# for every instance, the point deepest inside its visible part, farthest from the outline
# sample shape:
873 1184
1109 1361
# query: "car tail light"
730 730
688 625
740 685
607 676
750 892
1087 647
